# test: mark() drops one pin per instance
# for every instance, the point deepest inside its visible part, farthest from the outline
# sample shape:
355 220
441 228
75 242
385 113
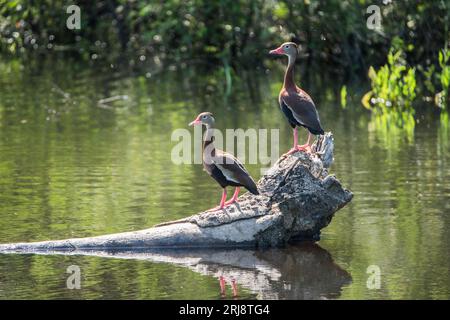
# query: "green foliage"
444 56
344 97
437 79
393 86
333 32
236 34
442 97
429 74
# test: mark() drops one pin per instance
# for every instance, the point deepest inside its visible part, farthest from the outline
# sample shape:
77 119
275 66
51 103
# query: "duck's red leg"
222 201
307 146
224 198
295 147
234 198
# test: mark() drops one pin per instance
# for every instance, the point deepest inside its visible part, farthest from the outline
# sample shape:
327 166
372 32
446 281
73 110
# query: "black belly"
215 172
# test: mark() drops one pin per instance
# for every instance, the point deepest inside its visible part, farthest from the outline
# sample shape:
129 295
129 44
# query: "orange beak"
277 51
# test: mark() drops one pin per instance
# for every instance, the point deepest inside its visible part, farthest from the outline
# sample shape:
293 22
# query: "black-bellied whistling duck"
295 103
226 169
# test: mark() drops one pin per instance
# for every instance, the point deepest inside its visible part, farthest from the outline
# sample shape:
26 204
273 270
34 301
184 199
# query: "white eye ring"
204 117
286 47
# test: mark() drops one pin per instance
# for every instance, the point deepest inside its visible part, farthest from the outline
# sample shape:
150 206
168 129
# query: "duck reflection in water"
298 271
301 271
223 289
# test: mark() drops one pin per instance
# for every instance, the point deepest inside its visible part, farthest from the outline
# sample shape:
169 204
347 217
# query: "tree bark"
297 199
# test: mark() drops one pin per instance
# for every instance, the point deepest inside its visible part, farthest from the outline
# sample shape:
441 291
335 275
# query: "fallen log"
297 199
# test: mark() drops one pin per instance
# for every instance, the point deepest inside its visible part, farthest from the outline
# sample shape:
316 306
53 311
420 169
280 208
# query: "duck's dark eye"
287 47
204 117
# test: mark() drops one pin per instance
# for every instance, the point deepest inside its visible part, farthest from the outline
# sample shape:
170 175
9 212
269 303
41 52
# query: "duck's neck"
289 74
208 140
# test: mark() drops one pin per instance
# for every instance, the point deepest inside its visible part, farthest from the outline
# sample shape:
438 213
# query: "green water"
72 168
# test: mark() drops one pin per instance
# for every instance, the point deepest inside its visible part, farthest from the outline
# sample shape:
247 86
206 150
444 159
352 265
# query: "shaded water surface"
70 167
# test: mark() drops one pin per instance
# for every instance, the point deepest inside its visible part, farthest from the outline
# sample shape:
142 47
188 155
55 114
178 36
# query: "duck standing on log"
295 103
226 169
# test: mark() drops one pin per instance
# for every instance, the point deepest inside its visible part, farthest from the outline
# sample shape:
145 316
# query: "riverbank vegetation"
407 57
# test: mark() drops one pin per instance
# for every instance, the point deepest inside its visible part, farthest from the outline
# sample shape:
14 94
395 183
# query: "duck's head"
204 118
289 49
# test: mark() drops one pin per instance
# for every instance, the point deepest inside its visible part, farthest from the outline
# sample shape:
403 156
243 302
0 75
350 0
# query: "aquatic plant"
441 98
344 97
393 86
437 79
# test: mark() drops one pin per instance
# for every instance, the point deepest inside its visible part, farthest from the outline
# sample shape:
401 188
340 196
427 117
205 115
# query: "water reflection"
300 271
